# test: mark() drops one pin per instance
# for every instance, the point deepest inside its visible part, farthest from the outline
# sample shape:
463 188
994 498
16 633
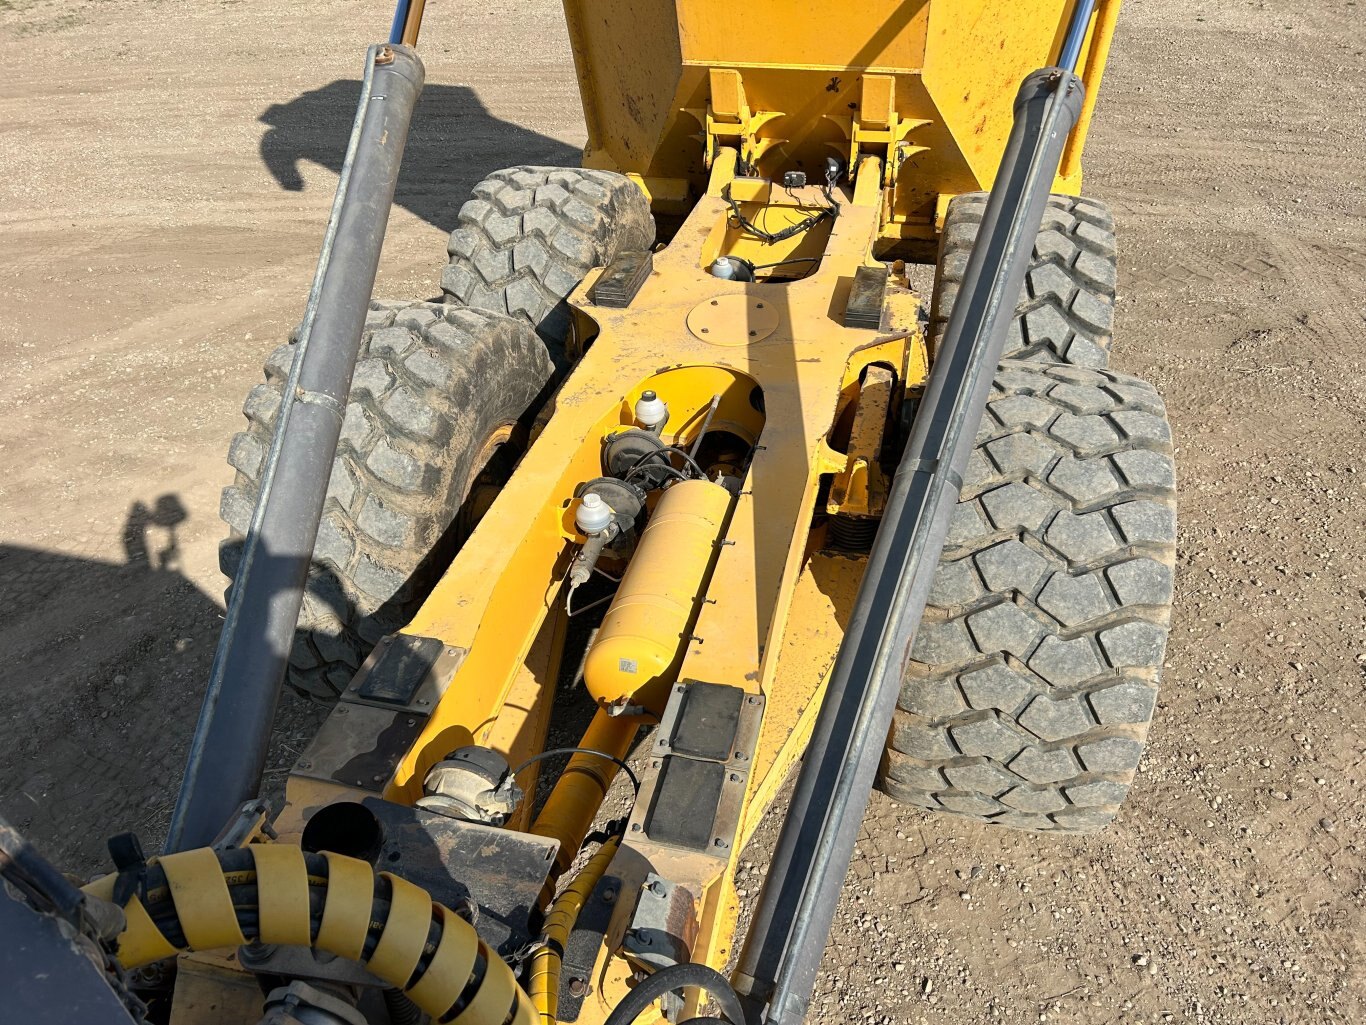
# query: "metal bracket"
663 927
876 128
405 671
729 121
583 945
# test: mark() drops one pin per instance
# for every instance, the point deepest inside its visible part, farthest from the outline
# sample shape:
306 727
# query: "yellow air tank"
638 649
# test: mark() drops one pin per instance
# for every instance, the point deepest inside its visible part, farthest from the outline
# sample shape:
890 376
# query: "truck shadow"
105 669
453 143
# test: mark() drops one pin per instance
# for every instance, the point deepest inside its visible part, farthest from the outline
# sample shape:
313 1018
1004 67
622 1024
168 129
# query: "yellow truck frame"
739 584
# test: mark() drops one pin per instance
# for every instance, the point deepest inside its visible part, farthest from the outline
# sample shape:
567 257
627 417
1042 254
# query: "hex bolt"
609 896
577 987
720 843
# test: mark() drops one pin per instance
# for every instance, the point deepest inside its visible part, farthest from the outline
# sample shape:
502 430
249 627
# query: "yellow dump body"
929 84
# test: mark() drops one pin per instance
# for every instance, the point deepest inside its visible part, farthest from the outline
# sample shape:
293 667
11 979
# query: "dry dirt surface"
164 184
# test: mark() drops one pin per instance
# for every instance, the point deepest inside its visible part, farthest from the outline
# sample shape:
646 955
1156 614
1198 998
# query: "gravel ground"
164 184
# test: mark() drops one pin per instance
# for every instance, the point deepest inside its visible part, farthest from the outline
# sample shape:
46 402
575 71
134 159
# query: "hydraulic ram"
228 751
785 945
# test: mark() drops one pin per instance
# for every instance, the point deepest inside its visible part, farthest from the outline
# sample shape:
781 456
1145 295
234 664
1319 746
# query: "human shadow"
101 685
453 143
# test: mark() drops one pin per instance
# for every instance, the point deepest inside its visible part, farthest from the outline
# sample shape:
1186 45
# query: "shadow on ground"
104 671
453 143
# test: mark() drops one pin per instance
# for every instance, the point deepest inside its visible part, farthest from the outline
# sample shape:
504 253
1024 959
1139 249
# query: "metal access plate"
711 721
359 745
406 671
501 870
694 786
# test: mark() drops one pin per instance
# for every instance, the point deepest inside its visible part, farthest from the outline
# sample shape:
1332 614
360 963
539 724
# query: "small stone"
1141 960
1327 825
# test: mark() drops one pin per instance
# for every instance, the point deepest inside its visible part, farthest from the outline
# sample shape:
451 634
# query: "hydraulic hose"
544 983
228 751
678 976
276 894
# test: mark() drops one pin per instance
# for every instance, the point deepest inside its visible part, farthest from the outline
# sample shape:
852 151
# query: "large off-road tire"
437 413
1035 671
530 234
1067 310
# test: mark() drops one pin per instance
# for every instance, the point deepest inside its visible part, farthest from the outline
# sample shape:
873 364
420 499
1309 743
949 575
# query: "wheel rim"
489 471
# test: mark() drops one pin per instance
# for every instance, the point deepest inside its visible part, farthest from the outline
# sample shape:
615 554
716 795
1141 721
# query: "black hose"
402 1011
679 976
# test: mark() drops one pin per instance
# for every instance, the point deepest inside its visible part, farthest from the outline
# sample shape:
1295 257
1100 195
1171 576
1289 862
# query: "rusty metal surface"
664 925
210 989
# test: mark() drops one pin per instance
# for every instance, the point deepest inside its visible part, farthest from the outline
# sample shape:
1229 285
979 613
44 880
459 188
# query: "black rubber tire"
1066 313
530 234
1035 671
433 384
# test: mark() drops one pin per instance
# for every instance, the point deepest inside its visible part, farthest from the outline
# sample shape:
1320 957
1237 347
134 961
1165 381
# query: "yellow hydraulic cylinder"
571 807
641 642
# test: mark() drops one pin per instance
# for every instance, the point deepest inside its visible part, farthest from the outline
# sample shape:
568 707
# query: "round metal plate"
733 320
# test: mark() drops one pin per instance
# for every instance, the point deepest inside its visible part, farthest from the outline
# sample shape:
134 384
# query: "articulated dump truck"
682 489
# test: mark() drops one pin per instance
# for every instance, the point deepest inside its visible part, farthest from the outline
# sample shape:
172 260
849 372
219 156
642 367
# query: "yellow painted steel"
494 597
1097 54
569 810
927 85
543 986
635 656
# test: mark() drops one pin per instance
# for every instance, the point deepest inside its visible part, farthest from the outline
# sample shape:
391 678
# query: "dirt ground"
164 184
